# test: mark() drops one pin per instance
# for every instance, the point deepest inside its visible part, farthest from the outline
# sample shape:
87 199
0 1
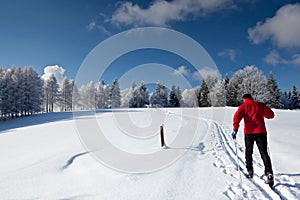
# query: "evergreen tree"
160 97
203 95
5 94
115 95
133 96
295 98
66 95
143 96
233 89
285 100
51 93
175 97
226 87
33 91
274 92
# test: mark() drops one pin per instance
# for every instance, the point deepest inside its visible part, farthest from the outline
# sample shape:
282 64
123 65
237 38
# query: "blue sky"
234 33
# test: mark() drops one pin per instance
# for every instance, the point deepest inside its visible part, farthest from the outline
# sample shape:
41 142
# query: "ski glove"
233 134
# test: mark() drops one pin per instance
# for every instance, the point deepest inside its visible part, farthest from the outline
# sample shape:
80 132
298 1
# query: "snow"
42 156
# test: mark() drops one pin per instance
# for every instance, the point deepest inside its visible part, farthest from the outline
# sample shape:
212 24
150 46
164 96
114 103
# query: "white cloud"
103 30
283 29
231 53
204 72
162 12
273 58
57 71
182 70
296 59
91 26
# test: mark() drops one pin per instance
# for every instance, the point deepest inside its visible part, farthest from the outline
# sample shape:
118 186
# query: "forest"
23 92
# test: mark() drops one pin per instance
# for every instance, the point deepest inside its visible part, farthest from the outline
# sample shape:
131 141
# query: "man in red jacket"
253 113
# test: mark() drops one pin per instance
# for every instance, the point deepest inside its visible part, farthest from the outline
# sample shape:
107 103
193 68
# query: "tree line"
23 92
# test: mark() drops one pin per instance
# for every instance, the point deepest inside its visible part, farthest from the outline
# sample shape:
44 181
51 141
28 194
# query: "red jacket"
253 113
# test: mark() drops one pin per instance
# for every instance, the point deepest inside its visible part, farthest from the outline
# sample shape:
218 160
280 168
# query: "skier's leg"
249 141
262 145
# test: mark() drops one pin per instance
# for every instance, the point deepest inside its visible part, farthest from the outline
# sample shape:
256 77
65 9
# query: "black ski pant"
262 144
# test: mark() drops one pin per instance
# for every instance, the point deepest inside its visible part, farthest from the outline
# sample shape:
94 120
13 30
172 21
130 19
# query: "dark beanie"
247 96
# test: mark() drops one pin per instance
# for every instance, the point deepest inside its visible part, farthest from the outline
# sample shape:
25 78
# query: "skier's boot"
250 173
270 179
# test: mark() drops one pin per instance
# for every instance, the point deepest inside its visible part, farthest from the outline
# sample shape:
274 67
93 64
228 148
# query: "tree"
115 96
75 96
160 97
175 97
218 94
234 88
285 100
248 80
295 98
202 95
66 95
143 96
274 92
254 83
5 103
226 87
89 98
190 98
133 96
51 93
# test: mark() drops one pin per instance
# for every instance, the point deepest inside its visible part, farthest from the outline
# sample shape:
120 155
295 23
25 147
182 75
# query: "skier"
253 113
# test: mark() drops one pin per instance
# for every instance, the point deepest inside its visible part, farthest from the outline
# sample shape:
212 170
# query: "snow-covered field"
43 157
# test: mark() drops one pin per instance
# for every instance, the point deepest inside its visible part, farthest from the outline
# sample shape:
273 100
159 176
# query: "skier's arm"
268 113
238 116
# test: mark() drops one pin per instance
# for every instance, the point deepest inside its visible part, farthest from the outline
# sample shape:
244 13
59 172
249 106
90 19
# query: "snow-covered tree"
202 94
66 95
274 92
102 95
143 96
88 97
75 96
254 83
249 80
175 97
133 96
115 95
285 100
226 87
218 94
16 91
5 102
33 91
125 97
160 97
234 99
295 98
51 93
190 98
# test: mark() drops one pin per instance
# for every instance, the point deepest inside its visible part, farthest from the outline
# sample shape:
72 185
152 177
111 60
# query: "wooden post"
162 137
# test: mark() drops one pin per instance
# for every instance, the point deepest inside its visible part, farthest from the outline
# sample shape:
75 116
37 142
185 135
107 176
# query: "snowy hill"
43 156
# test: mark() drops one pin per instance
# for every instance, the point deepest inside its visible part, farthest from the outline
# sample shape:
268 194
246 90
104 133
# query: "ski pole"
237 158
